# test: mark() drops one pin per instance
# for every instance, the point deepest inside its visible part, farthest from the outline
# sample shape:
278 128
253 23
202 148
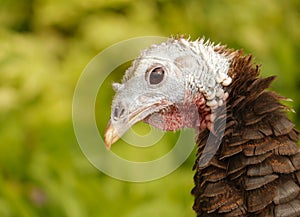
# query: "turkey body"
255 172
252 167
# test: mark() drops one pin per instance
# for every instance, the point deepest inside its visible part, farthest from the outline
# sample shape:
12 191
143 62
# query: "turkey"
248 161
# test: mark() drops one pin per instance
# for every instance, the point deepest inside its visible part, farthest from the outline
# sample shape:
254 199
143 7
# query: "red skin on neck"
192 113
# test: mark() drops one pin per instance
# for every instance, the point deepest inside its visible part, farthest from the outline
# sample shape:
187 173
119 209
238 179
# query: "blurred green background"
44 47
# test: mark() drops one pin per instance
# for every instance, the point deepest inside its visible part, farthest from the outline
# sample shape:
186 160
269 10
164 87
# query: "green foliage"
45 45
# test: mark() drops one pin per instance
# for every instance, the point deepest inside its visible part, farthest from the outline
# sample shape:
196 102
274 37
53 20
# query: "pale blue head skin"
190 68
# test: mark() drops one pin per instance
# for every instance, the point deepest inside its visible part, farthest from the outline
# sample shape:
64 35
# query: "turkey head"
252 167
173 85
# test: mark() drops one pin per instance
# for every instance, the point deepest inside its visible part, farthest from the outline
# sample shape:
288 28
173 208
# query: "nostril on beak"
118 113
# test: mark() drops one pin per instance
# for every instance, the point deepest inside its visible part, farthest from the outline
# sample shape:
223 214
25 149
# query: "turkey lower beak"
110 136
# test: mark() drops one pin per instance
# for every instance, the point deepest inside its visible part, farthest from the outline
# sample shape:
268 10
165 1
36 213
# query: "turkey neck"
255 128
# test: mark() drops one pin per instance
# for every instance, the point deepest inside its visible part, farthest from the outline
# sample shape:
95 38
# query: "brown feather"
237 141
240 161
296 161
252 183
286 192
260 169
260 198
267 102
260 146
238 212
281 164
232 203
294 135
228 151
291 209
214 189
286 147
267 212
217 175
281 125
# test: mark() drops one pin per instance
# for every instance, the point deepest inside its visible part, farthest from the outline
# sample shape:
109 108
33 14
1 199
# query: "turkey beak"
111 135
121 122
122 119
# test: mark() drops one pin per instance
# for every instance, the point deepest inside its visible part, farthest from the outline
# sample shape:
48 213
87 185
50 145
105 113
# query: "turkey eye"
156 75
